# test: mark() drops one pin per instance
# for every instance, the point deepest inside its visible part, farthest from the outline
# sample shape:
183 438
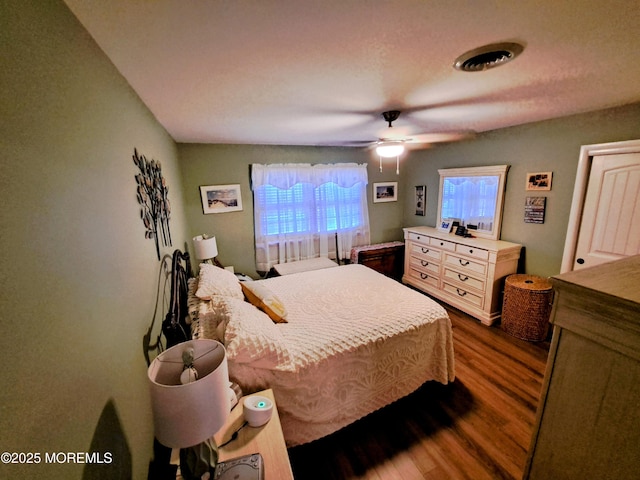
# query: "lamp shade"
186 415
205 247
390 149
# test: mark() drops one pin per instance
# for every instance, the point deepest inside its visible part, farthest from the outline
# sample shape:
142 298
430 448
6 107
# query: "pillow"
251 337
217 281
212 319
267 301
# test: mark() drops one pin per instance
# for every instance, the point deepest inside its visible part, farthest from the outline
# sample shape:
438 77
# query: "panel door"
610 226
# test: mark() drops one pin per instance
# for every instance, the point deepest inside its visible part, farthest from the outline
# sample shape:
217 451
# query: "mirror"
473 197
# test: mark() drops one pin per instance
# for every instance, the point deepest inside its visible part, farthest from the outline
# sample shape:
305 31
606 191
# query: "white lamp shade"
390 149
205 248
186 415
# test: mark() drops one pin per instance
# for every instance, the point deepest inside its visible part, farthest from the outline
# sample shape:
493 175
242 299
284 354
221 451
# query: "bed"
334 344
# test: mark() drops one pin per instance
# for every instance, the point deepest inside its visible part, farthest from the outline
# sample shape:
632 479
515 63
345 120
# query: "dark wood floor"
478 427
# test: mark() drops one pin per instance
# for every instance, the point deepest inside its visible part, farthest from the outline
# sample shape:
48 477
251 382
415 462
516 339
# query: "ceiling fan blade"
440 137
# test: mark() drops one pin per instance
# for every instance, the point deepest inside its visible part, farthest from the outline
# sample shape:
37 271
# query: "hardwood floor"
478 427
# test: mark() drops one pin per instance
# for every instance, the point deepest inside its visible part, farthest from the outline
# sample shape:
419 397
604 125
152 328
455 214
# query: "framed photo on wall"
385 192
221 198
421 199
539 181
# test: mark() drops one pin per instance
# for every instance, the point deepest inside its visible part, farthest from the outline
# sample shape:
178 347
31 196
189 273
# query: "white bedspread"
357 341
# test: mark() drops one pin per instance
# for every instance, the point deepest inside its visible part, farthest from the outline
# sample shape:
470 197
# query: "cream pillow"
217 281
267 301
251 337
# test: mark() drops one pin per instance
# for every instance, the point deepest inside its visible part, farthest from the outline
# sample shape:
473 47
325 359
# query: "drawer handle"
463 279
423 276
442 244
424 264
462 294
470 250
464 264
424 250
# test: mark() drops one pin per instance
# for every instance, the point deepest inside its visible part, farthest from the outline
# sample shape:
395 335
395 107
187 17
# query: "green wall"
230 164
552 145
78 277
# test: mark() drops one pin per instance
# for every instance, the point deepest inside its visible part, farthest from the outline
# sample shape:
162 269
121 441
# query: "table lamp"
187 415
206 248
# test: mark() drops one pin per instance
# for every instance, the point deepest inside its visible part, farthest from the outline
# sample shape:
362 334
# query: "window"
302 210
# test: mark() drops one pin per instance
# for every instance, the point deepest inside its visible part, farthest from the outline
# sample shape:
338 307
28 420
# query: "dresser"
588 418
466 273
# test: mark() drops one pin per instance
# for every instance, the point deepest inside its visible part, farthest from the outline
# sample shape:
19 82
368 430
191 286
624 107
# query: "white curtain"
303 211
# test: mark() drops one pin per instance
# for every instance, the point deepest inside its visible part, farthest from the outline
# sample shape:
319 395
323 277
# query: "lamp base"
197 460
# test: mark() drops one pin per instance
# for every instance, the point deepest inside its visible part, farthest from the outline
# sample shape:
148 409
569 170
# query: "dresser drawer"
463 295
444 244
464 280
424 278
425 251
417 237
473 252
425 265
464 265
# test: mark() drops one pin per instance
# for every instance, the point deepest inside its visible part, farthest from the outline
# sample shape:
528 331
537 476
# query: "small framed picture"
534 209
421 199
385 192
539 181
220 198
445 225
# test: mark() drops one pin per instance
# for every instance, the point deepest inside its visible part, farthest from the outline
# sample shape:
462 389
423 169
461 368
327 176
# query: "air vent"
489 56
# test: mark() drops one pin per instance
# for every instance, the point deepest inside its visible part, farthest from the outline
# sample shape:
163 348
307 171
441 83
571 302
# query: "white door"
610 227
606 206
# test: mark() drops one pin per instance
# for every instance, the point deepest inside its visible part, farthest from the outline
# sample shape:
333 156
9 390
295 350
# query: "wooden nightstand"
267 440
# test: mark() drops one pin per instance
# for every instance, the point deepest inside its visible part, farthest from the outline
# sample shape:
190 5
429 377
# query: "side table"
267 440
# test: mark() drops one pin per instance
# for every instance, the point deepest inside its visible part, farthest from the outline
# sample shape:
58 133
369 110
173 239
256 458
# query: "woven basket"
527 307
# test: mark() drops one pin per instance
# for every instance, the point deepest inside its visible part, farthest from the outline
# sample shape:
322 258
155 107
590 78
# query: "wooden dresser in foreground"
467 273
588 419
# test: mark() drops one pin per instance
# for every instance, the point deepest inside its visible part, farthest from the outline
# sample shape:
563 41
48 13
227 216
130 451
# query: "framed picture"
534 209
385 192
221 198
421 199
445 225
539 181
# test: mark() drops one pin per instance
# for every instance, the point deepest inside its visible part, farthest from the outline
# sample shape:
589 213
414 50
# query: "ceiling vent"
489 56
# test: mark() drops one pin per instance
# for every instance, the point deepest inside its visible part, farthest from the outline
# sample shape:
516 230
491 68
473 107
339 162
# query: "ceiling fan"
393 142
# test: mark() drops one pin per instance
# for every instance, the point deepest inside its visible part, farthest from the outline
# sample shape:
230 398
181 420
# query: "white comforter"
357 341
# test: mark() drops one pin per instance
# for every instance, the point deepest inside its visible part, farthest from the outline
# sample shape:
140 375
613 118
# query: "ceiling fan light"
390 149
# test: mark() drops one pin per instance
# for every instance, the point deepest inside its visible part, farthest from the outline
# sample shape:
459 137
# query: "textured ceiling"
306 72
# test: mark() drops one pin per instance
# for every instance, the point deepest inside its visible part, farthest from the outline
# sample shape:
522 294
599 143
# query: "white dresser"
467 273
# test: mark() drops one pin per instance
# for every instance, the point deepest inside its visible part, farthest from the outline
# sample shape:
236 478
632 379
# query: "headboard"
176 270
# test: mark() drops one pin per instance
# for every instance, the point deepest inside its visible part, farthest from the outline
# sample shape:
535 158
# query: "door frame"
587 152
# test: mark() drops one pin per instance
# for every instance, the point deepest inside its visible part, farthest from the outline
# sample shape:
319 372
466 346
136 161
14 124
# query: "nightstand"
267 440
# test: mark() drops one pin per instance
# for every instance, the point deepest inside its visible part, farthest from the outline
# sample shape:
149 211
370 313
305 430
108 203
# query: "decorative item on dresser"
588 420
466 273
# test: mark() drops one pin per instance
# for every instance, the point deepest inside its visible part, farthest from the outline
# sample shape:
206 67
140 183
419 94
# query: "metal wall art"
153 198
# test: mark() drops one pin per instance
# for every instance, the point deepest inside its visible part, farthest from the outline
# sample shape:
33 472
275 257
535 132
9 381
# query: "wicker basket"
527 307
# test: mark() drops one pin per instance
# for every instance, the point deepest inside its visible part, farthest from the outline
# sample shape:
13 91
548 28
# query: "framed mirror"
473 197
